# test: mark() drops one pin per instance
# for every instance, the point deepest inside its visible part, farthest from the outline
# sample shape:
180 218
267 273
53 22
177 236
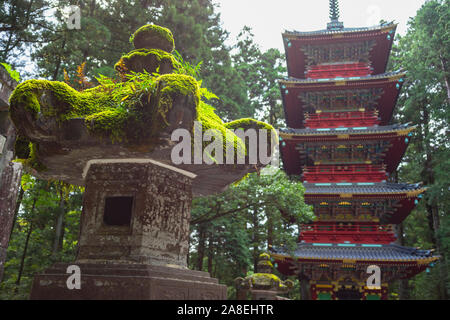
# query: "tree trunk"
27 240
269 230
58 64
404 288
432 206
201 246
304 288
16 211
446 78
255 239
210 257
24 254
59 226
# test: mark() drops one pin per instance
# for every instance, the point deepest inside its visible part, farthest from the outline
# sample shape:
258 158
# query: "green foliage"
31 248
22 23
260 71
231 230
13 73
424 53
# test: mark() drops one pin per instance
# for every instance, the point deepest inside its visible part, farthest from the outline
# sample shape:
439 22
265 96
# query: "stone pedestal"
133 237
127 282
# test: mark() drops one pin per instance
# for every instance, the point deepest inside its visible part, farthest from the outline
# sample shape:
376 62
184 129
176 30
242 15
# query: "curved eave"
293 161
379 55
346 31
286 264
350 133
353 254
341 81
419 261
403 194
390 83
406 201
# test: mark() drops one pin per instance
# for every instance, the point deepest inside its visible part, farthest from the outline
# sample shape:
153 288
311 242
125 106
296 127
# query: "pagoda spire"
334 10
335 24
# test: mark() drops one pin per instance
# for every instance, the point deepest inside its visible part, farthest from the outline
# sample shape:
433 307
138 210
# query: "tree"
230 230
424 102
261 72
21 22
31 248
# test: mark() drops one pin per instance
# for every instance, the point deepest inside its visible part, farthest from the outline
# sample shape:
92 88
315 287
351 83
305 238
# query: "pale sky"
269 18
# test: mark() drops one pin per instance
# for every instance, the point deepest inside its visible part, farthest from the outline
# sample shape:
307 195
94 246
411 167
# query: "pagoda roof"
382 35
406 196
396 137
356 252
393 74
366 188
324 32
401 129
389 85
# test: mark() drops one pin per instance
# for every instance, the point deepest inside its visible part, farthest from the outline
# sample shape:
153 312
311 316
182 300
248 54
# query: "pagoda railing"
346 119
363 233
348 173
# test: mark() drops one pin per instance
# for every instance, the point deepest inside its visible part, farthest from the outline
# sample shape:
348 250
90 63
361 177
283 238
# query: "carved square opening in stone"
118 211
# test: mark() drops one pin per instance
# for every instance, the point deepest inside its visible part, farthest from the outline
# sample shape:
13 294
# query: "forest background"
230 230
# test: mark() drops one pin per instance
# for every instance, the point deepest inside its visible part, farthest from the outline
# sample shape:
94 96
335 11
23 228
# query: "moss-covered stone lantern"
262 285
115 139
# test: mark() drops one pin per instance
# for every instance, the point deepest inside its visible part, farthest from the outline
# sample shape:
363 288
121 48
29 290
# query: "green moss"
264 256
108 122
65 103
32 161
265 263
265 279
145 59
210 120
172 86
22 148
179 85
153 37
248 123
133 111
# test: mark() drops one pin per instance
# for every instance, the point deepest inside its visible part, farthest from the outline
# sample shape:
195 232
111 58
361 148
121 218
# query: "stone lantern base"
127 282
134 234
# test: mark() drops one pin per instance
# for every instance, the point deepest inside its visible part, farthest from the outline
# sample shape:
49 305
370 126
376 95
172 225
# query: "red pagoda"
338 101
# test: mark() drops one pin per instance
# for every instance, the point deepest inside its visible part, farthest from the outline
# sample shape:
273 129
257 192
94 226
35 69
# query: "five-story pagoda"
338 102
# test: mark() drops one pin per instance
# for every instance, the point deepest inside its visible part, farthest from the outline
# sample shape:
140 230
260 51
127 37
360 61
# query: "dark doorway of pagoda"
118 211
348 294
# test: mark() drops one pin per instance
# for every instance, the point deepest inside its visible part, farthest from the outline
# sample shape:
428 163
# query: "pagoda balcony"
331 71
355 233
341 119
348 173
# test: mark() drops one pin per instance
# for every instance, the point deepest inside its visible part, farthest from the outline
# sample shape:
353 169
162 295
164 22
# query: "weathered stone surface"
142 259
159 229
127 282
7 85
10 182
10 173
67 159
